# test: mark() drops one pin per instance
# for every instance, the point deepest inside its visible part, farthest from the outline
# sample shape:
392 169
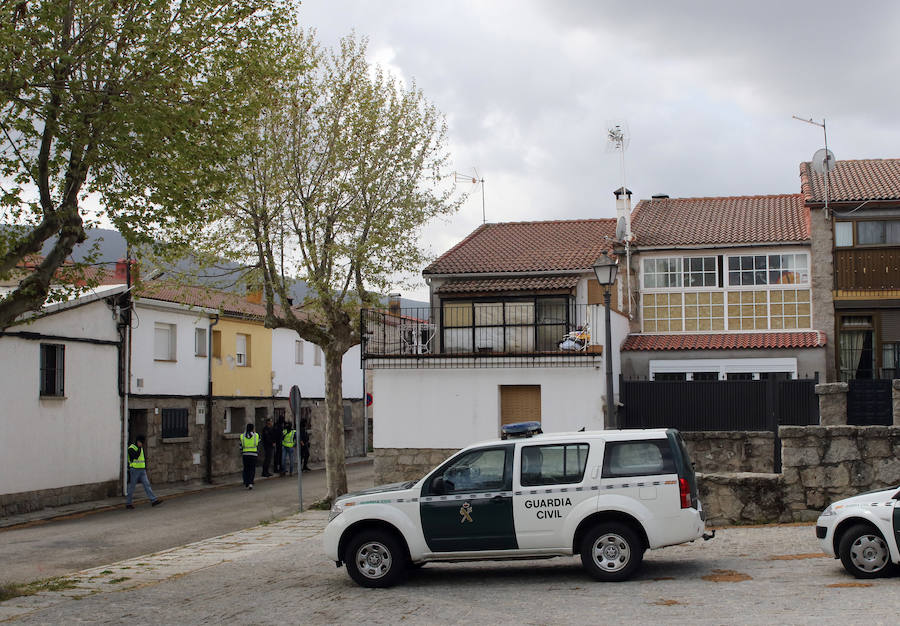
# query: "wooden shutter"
520 403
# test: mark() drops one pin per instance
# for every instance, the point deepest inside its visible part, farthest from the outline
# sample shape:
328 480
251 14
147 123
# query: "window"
53 367
739 376
856 346
515 325
877 232
670 376
704 310
479 470
662 312
217 344
890 360
200 342
700 272
789 308
235 419
242 350
662 273
843 234
174 423
553 465
638 458
747 310
298 352
163 342
317 356
773 269
705 376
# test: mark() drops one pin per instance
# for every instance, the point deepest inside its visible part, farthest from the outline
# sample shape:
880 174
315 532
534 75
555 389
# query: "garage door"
520 403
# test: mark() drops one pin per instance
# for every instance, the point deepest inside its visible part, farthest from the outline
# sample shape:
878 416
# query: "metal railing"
535 332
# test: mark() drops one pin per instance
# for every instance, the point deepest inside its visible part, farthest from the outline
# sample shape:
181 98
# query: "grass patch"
9 591
105 572
321 505
114 581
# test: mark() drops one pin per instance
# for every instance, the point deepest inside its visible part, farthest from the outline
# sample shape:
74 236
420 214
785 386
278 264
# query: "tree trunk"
335 460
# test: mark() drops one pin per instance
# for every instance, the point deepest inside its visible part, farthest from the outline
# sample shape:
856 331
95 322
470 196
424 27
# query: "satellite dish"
620 229
823 161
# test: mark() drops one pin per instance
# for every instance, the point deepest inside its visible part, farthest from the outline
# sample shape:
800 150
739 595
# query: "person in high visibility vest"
288 445
249 452
137 473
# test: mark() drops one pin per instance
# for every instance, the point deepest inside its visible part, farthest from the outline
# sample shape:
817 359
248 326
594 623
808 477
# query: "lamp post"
605 270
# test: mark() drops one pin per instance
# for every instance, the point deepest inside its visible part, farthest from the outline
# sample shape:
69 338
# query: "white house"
515 332
61 406
302 363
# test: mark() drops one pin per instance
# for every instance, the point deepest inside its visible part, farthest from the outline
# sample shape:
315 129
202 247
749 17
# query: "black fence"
719 404
869 402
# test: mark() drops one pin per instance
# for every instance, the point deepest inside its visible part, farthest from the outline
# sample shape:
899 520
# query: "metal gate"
869 403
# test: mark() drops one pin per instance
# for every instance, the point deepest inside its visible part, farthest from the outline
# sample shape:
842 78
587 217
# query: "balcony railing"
539 332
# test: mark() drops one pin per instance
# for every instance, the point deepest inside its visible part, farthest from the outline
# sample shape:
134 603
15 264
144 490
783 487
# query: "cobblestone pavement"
277 573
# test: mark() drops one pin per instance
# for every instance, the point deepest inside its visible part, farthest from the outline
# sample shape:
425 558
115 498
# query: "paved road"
63 546
277 574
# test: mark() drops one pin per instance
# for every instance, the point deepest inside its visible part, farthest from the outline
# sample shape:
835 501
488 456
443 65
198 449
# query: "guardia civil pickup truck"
607 496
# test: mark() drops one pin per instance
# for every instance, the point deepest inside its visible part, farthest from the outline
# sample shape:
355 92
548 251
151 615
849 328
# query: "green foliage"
138 102
9 591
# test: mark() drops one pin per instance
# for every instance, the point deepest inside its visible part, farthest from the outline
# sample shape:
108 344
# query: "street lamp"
605 270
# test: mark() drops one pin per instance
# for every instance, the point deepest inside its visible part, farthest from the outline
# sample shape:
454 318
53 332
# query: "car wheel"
864 552
611 552
375 558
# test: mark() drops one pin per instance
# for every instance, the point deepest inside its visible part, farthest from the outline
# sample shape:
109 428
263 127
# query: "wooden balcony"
867 269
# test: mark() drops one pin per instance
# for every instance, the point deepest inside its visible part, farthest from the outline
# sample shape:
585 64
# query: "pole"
209 398
127 381
610 405
483 213
825 132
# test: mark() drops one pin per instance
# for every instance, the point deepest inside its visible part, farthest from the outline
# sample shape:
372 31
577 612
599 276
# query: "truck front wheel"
374 558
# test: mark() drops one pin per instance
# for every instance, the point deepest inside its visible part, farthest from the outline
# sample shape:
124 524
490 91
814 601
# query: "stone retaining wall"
19 503
731 451
394 465
743 498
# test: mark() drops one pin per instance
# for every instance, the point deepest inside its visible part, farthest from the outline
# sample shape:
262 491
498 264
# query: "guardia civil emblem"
464 512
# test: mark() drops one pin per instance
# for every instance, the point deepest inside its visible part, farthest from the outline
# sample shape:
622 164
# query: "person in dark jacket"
137 473
268 444
276 462
303 440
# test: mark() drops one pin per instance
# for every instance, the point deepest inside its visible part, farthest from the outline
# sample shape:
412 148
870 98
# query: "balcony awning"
517 283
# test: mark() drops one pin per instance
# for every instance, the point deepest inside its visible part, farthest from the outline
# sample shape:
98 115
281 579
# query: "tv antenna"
823 161
618 137
475 179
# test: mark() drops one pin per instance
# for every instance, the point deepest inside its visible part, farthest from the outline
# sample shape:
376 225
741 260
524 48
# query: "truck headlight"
828 511
336 509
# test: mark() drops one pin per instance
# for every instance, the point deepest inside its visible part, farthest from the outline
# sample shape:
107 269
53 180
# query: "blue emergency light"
520 429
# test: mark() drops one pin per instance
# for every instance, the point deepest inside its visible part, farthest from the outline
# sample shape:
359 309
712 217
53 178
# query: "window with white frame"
843 234
662 272
771 269
298 352
200 342
700 271
242 350
164 342
317 356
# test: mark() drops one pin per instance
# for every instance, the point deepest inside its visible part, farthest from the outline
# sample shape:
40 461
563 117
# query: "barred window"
174 423
53 361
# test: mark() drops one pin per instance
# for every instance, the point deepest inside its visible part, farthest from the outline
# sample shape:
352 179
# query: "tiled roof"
865 179
730 341
720 221
201 297
521 283
528 247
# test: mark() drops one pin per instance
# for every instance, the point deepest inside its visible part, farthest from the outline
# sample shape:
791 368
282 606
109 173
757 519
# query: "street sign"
368 399
295 402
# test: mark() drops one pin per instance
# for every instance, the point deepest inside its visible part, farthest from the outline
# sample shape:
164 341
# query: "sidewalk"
164 491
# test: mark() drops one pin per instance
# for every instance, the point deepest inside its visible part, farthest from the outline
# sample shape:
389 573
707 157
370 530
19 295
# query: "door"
466 505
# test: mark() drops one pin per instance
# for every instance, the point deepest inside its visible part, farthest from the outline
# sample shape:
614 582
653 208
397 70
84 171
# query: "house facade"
858 238
61 404
724 289
514 332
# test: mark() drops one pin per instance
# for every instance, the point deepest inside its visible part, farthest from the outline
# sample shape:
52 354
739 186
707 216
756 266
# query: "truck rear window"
646 457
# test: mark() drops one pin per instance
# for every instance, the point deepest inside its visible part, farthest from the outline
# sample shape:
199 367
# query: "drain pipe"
209 399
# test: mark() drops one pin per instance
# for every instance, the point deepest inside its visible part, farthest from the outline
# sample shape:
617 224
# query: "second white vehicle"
605 495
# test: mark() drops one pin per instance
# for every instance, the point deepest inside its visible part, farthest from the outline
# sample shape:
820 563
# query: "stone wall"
822 464
726 451
394 465
822 283
19 503
743 498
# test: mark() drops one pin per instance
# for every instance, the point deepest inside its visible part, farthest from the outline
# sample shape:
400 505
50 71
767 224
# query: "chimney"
623 208
659 196
394 303
120 275
254 296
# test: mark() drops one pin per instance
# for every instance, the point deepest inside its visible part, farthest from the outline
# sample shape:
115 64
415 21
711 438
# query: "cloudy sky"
707 90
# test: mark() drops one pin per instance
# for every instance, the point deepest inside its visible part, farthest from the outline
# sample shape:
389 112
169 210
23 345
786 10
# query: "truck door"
466 505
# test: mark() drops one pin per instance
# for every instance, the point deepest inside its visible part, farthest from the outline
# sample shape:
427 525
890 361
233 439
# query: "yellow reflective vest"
287 439
249 445
138 463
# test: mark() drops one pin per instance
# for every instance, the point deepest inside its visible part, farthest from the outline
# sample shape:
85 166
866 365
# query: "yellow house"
242 358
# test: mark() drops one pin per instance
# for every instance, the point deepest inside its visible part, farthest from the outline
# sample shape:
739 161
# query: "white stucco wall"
452 408
188 374
309 376
59 442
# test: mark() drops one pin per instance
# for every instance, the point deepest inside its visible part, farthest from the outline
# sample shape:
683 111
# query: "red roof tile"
865 179
201 297
522 283
716 221
528 247
730 341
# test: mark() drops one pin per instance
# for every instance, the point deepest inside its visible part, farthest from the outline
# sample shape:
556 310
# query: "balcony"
867 269
541 332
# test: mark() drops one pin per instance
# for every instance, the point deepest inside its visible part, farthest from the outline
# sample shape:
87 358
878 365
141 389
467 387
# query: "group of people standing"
278 445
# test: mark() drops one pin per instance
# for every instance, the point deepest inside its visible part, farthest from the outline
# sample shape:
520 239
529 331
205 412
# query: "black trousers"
304 456
249 469
276 462
267 459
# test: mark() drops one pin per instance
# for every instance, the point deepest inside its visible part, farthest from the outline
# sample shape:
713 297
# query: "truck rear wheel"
374 558
611 552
